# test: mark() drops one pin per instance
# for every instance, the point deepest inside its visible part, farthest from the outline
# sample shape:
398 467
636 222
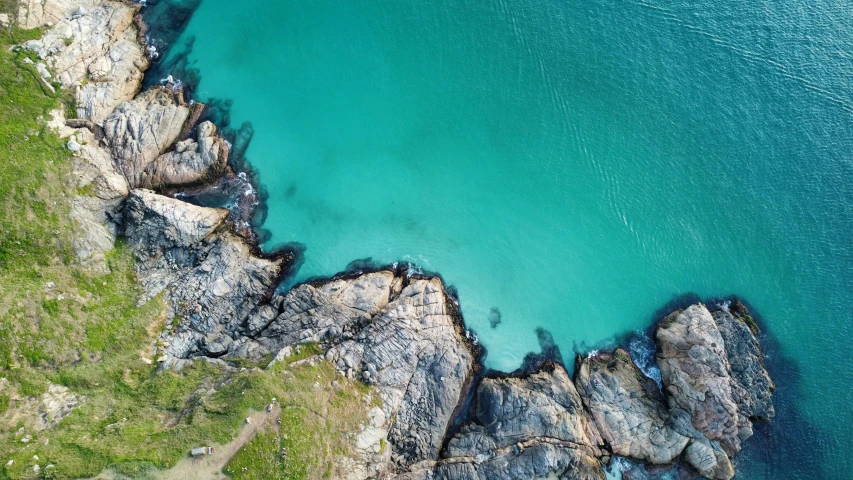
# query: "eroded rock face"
751 384
209 276
141 130
99 213
696 376
529 427
192 162
539 460
397 334
92 48
695 373
628 408
418 359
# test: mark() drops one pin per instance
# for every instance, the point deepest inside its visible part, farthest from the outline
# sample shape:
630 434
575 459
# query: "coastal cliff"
435 414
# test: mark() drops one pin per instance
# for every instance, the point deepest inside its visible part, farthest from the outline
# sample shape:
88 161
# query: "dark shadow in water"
494 317
548 351
790 445
165 21
245 196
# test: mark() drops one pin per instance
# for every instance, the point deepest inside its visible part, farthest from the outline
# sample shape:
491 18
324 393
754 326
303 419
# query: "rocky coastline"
400 333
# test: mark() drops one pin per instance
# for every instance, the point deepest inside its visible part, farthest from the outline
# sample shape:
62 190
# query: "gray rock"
405 340
97 53
37 13
751 384
628 408
709 459
537 461
695 373
141 130
98 214
192 162
526 428
210 278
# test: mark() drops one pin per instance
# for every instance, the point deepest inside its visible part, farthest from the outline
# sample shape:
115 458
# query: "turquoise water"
571 165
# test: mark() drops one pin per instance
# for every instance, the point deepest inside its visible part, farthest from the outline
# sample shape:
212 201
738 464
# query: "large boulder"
192 162
696 376
752 387
141 130
628 408
526 427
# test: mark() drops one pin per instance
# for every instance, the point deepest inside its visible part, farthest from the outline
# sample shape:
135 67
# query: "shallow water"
572 166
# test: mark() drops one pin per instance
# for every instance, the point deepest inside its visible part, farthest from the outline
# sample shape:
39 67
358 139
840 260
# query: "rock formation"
695 373
141 130
91 48
400 334
528 427
628 408
209 276
751 385
192 162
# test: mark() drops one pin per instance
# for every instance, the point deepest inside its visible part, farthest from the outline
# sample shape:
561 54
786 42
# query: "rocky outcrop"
91 48
35 414
710 400
192 162
399 334
99 213
141 130
38 13
751 384
208 276
695 373
527 427
628 408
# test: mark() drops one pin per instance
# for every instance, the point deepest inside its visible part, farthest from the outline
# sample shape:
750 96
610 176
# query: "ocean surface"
568 166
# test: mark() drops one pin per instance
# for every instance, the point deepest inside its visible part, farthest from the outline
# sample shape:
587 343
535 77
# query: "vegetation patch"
320 416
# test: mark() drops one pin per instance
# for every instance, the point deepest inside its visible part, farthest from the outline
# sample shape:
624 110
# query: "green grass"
317 422
63 324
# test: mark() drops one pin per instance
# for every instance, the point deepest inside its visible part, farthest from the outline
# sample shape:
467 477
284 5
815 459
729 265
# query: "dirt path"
210 466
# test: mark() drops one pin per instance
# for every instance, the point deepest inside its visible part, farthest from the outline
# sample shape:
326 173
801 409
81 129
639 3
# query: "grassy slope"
62 324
